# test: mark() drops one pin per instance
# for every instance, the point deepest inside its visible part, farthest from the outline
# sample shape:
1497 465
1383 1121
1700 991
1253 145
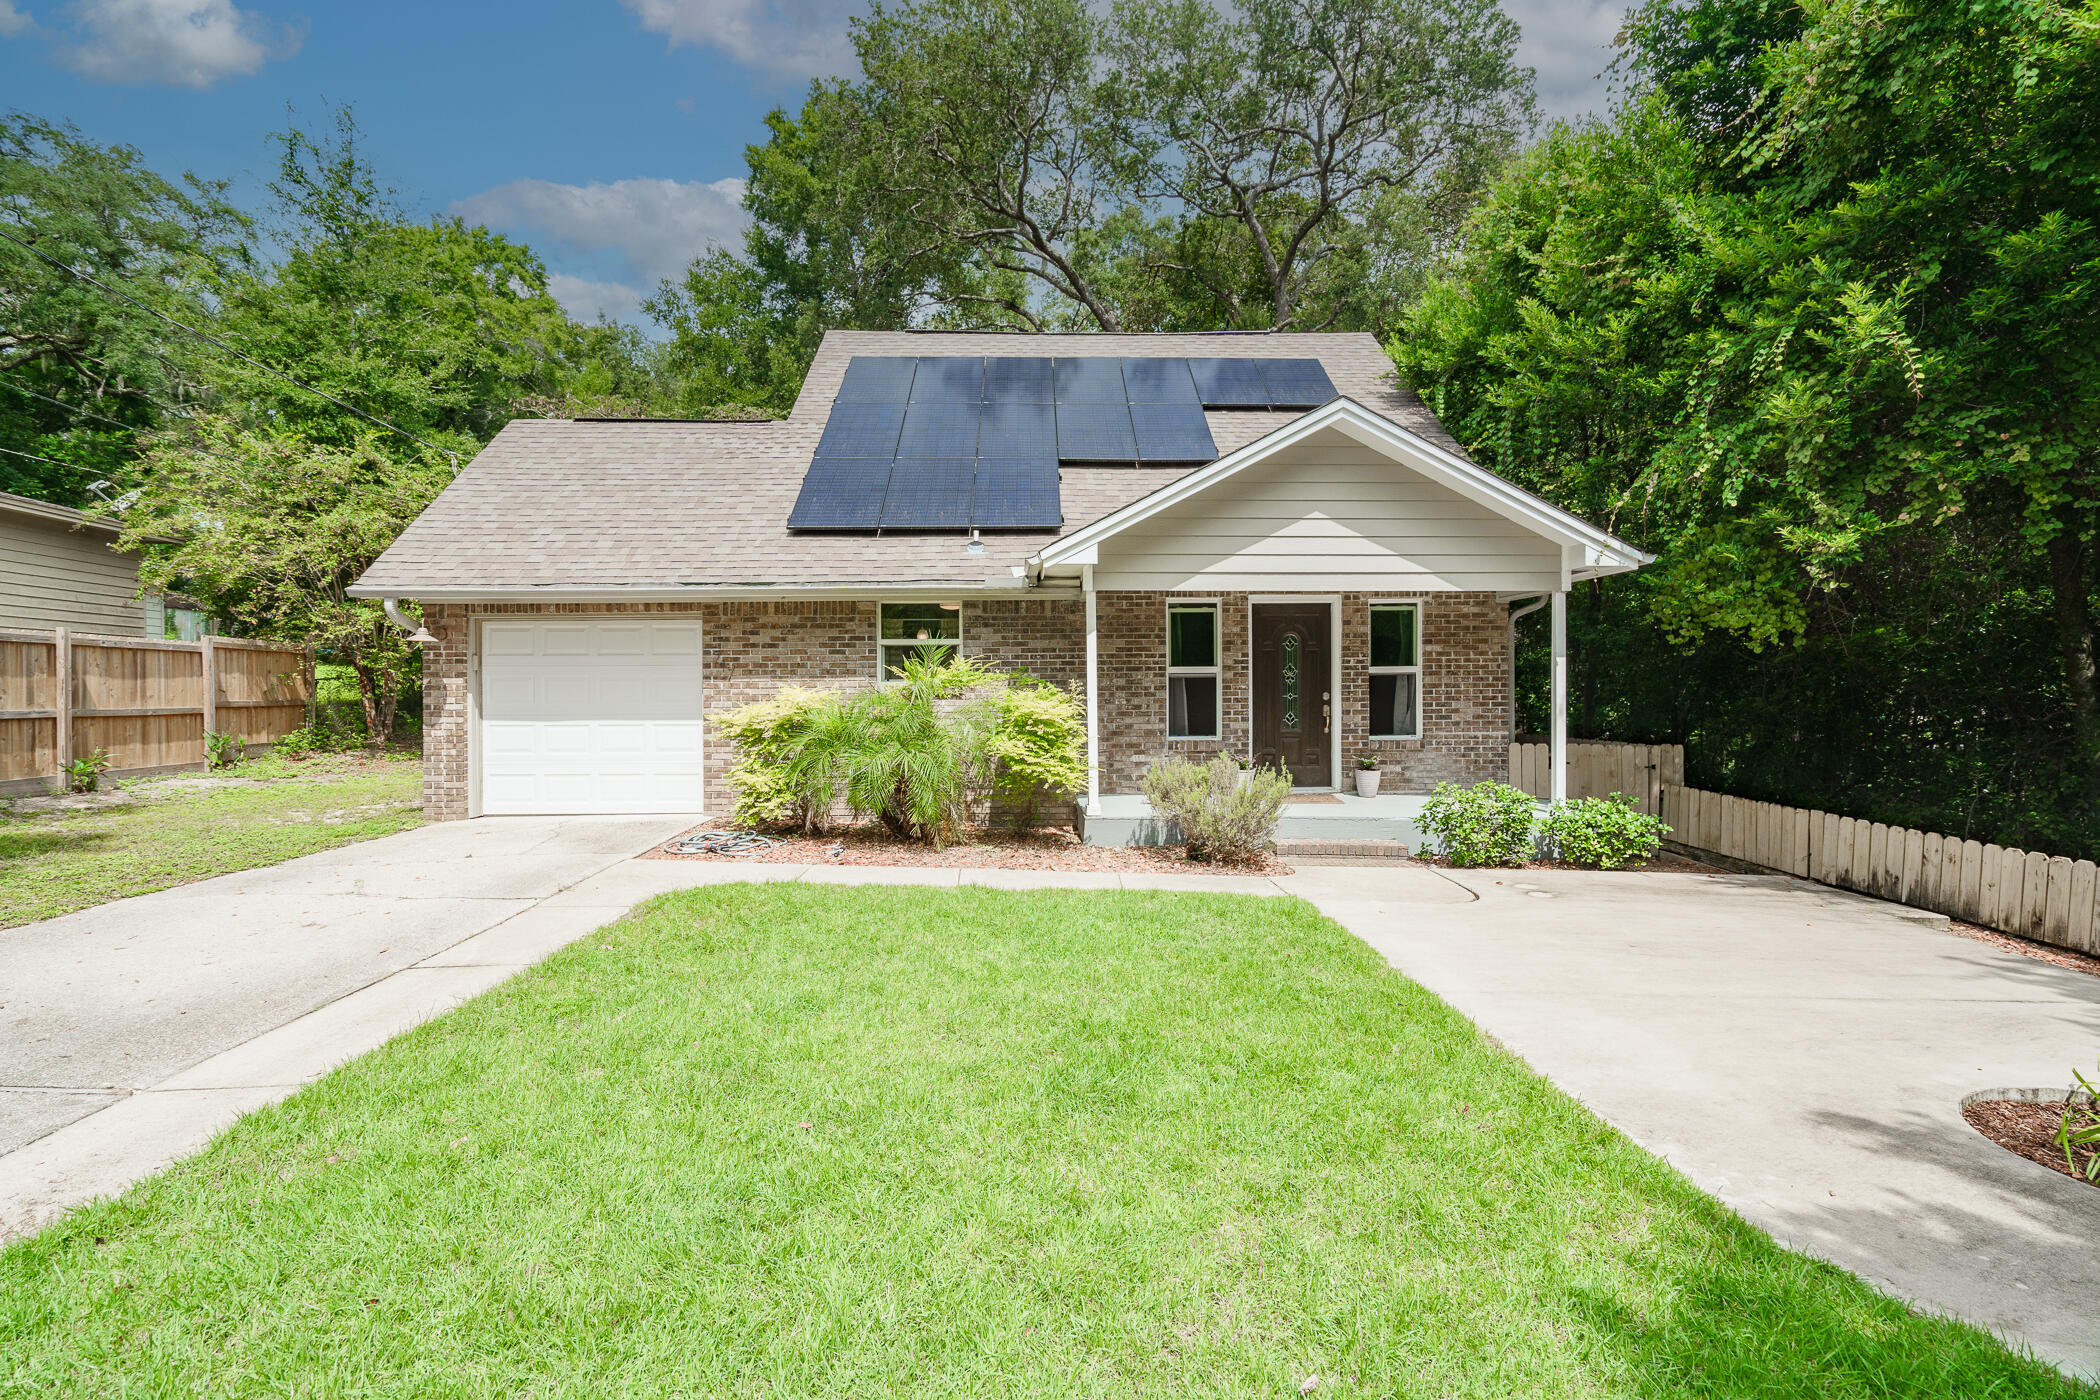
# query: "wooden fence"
1597 769
2050 898
150 703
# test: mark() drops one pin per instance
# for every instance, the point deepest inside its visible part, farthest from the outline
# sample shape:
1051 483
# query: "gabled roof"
28 508
558 510
1587 551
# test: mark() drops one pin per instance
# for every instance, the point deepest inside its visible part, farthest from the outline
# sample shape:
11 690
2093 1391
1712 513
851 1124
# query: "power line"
69 466
242 355
75 408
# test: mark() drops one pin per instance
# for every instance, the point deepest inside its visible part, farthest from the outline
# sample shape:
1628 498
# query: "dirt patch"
2028 948
2028 1129
1040 850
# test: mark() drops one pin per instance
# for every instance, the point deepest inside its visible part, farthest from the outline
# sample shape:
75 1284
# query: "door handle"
1326 713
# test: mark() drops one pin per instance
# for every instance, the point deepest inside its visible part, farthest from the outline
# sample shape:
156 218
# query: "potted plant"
1367 775
1245 765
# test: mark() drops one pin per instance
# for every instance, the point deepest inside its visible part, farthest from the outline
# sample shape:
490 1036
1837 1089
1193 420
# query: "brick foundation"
751 649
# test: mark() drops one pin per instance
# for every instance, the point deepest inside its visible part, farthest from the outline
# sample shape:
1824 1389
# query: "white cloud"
13 21
1569 42
658 226
586 300
189 43
785 39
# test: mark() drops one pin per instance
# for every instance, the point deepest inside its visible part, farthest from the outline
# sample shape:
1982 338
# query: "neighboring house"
1252 542
60 567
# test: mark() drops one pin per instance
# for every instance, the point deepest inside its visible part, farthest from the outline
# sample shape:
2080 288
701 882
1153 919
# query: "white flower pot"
1367 782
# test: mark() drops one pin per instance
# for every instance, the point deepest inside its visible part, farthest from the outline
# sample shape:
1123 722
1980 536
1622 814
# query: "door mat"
1328 798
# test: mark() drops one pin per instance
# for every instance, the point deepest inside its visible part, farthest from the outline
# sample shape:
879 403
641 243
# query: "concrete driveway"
98 1005
1799 1052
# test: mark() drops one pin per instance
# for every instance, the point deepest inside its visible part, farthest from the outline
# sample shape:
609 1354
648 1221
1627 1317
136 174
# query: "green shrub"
2080 1128
1221 817
1485 824
223 750
1603 833
1037 745
84 774
333 729
767 734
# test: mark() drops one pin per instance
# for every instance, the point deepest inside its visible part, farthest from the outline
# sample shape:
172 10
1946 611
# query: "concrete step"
1356 847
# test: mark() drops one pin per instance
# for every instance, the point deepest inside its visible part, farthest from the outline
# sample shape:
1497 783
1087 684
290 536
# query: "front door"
1293 711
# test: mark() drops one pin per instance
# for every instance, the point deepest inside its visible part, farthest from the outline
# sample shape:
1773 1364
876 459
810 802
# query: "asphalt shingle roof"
658 505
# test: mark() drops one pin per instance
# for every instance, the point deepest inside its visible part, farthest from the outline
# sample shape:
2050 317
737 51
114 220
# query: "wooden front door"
1293 711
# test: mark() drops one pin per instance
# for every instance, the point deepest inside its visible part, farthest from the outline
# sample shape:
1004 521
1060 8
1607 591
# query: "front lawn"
786 1141
172 830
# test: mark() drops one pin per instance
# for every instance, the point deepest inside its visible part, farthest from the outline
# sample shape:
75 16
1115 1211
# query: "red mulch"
1038 850
2028 1129
2028 948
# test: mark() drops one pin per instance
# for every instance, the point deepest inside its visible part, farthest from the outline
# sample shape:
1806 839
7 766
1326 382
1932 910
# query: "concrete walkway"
1800 1053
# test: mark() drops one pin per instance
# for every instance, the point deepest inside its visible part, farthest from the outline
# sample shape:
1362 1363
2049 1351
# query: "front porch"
1128 820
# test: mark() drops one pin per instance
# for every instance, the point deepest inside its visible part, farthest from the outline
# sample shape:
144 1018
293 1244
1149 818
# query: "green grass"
784 1141
52 864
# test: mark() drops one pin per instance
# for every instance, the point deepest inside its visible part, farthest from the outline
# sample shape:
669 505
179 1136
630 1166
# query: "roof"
1587 551
11 504
556 508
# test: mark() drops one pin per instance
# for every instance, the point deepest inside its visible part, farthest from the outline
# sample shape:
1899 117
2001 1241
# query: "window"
1396 671
1192 671
918 629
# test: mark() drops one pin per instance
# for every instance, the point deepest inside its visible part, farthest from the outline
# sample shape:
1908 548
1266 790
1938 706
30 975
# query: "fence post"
61 701
211 691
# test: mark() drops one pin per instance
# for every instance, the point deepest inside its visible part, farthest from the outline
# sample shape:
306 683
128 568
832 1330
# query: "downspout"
1531 607
1093 695
417 633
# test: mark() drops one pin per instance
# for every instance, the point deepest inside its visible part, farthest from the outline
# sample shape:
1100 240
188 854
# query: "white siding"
1331 513
52 575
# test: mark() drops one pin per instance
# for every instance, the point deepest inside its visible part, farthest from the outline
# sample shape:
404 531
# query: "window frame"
884 644
1216 670
1414 669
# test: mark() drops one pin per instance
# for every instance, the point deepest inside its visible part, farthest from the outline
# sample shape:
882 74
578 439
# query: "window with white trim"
1396 671
915 629
1192 671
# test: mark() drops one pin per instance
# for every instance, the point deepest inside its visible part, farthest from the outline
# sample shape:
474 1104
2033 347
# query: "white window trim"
1415 670
1216 670
883 645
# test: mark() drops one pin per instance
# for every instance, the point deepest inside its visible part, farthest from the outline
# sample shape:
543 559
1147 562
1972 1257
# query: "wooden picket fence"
149 703
1598 769
2053 899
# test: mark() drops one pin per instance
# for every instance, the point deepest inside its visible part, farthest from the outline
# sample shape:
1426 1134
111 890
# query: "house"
60 567
1251 542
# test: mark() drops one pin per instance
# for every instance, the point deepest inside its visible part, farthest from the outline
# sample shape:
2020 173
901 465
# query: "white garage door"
589 715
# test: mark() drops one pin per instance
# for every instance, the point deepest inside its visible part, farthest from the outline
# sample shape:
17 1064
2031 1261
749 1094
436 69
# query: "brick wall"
751 649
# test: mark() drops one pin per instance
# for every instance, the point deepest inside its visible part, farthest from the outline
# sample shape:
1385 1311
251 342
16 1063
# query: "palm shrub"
1037 745
1485 824
1603 833
767 735
1221 816
2080 1128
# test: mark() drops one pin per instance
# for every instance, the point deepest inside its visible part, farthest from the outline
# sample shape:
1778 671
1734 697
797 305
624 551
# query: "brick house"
1250 542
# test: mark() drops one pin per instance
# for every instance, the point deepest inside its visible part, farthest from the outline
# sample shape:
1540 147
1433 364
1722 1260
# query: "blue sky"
608 133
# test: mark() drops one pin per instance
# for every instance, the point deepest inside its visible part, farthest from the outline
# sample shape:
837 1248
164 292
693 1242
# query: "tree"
83 369
1288 121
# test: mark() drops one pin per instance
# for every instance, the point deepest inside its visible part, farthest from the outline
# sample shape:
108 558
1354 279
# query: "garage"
590 715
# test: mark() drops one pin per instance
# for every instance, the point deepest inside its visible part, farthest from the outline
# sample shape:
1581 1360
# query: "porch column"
1093 695
1560 697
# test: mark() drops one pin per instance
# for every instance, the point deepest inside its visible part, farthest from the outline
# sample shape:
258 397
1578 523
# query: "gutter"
899 592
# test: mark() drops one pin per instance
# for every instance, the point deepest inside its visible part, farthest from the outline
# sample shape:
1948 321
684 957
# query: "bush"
84 774
1485 824
2079 1130
223 750
767 734
1037 745
1221 818
331 730
1603 833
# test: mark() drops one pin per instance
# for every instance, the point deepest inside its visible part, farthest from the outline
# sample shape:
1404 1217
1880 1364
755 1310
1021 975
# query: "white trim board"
1586 551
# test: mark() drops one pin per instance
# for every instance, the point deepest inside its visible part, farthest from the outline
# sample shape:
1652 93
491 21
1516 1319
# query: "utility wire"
70 466
242 355
75 408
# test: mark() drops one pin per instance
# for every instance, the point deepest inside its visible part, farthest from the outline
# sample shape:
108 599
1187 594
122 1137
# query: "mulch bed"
1038 850
2028 1129
2027 948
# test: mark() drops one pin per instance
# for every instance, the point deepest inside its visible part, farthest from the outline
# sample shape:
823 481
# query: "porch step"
1359 847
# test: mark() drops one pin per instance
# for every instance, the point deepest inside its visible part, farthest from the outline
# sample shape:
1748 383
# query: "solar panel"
948 379
1016 494
1020 379
1090 379
877 379
1159 381
1018 430
1229 383
929 493
940 430
861 430
1172 432
841 494
1296 383
1095 432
